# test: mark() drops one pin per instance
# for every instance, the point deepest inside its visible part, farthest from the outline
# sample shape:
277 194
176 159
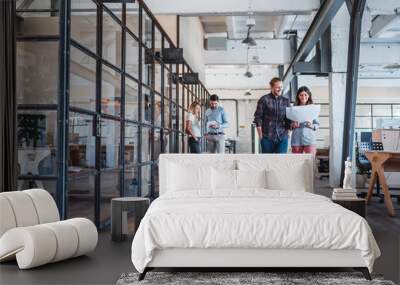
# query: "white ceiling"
226 21
273 46
379 54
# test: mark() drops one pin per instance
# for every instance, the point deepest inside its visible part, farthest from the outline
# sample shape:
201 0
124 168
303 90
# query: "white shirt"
196 127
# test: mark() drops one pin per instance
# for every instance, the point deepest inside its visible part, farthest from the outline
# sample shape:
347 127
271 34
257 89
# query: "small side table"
355 205
119 215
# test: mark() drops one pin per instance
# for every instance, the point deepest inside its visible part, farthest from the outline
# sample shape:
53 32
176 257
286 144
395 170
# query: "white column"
337 92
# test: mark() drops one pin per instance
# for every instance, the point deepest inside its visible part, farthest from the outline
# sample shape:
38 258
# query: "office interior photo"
175 142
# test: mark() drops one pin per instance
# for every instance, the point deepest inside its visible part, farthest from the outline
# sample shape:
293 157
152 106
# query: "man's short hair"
214 97
274 80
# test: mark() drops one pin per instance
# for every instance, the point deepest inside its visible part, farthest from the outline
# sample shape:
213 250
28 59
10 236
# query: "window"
81 166
112 40
83 23
119 122
111 91
132 56
82 80
131 100
37 142
37 72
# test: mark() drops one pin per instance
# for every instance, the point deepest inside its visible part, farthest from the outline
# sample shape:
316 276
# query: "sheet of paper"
212 123
303 113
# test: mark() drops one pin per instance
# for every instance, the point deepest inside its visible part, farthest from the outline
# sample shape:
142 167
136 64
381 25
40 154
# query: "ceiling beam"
353 59
379 24
235 7
318 26
283 24
379 7
276 51
379 54
231 27
349 4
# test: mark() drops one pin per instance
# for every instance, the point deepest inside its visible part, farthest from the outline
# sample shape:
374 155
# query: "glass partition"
111 96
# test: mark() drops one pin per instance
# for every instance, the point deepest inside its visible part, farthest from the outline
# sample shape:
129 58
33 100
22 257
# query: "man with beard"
270 119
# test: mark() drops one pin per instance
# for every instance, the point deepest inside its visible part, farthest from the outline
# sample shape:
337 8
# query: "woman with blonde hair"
193 127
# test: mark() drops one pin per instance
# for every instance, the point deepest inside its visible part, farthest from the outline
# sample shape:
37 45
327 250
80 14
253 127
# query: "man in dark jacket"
270 119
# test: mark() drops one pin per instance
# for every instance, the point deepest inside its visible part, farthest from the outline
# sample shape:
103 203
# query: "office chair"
362 162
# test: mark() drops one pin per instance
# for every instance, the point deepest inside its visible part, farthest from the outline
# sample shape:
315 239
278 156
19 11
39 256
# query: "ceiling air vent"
215 42
392 66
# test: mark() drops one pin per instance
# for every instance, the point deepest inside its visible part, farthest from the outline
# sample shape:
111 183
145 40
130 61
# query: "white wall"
169 24
191 36
191 40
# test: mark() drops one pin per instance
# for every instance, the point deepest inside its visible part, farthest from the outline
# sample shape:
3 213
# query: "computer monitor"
366 137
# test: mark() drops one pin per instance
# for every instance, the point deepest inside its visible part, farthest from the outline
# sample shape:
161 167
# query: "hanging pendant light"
248 73
247 93
249 41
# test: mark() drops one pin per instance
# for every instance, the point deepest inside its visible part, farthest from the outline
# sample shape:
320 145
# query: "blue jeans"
194 146
270 146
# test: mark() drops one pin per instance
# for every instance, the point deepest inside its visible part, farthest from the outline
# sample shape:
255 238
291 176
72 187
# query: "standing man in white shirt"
215 123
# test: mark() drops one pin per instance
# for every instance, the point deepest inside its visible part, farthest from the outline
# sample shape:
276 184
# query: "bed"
246 211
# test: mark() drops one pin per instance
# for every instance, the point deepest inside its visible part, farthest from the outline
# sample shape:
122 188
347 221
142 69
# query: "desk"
382 161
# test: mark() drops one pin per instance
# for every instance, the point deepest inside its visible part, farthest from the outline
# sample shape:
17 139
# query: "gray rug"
269 278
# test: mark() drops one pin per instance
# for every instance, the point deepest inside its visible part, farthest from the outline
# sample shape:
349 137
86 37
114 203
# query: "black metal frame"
320 23
353 58
363 270
63 105
8 98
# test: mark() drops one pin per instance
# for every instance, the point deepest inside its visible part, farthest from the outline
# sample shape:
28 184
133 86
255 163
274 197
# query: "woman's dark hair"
304 89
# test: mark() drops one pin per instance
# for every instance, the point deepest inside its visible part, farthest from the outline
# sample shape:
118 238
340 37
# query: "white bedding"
251 218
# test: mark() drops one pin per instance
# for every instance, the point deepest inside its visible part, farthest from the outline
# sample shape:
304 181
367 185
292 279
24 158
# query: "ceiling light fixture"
249 40
250 23
248 73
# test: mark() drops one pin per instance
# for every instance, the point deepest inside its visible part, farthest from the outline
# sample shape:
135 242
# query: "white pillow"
224 179
183 177
251 178
295 179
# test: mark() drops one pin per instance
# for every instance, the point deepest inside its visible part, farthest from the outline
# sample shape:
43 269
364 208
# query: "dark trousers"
194 146
270 146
